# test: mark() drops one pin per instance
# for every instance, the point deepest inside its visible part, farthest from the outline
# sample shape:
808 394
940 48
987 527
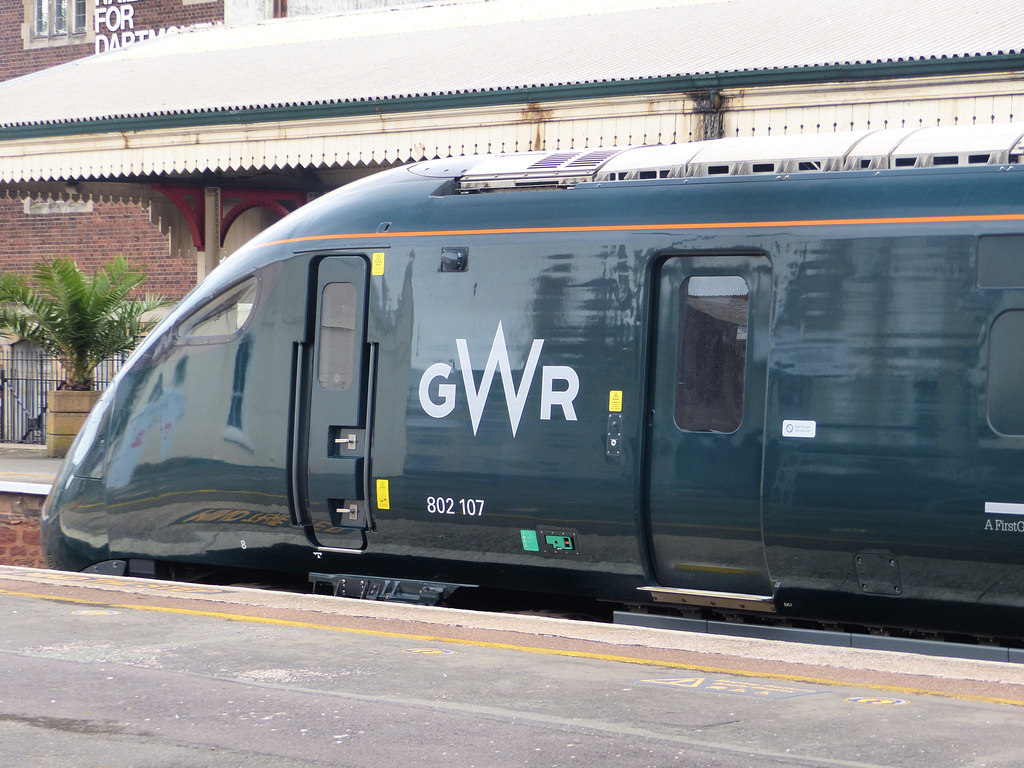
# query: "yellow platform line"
527 649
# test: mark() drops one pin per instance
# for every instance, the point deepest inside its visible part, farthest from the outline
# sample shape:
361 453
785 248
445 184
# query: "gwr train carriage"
775 375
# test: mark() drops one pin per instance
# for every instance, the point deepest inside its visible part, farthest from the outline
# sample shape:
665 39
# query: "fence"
25 378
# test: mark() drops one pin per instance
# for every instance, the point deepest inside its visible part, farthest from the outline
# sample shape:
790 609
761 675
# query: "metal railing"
25 378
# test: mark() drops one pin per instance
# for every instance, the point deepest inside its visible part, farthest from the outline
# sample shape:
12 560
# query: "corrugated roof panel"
501 44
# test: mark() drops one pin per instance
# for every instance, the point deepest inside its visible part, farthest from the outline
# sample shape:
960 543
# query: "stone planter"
65 413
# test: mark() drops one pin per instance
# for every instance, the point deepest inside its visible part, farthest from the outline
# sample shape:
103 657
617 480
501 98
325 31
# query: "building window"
78 17
59 19
42 18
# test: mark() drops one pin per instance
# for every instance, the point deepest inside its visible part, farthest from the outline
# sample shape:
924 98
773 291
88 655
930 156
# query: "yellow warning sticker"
615 401
383 495
377 266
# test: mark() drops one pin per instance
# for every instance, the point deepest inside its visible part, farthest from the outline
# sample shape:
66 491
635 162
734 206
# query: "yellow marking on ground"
527 649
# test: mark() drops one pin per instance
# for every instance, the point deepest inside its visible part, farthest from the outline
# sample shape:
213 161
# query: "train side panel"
879 508
492 410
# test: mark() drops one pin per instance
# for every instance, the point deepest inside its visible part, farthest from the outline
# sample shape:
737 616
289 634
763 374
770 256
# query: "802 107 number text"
446 505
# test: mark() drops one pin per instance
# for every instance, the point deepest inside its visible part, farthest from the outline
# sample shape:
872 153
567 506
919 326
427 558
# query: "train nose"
73 523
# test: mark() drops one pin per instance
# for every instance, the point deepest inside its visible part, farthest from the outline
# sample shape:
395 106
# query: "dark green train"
772 376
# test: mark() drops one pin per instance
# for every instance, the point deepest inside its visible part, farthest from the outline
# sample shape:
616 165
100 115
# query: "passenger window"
337 336
712 355
225 315
1005 373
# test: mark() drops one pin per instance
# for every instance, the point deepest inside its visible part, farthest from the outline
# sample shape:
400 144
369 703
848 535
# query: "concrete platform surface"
102 671
26 469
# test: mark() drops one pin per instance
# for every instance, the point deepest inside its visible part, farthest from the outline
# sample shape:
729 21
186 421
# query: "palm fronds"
80 320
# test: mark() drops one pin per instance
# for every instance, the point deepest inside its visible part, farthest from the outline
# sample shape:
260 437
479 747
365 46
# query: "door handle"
349 441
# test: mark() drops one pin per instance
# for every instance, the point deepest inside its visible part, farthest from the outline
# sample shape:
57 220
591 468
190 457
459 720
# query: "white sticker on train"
560 385
796 428
1003 508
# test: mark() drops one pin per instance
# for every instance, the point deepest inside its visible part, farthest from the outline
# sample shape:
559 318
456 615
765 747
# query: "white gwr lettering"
562 395
498 358
550 397
445 391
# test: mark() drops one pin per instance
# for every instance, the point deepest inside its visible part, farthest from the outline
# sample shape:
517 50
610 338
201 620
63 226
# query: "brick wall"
90 239
19 530
15 60
19 57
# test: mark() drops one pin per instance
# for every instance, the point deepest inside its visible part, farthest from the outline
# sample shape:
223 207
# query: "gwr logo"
562 396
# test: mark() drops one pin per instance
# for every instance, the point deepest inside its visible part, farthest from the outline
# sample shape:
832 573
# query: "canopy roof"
501 51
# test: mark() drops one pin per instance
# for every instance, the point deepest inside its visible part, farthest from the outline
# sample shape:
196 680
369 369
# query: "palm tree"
78 319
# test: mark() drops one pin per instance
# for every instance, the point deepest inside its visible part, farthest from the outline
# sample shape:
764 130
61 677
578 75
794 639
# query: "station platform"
26 475
26 469
111 671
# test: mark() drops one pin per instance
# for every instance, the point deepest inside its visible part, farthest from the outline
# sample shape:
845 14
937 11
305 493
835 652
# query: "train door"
705 432
332 440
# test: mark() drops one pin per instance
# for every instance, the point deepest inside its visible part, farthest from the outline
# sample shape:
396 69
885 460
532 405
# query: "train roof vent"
535 169
936 147
776 155
792 153
734 157
658 161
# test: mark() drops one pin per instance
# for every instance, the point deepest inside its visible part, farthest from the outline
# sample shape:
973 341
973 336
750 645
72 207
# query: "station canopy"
302 91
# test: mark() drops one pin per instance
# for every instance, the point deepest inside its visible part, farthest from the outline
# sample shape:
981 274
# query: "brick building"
39 34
